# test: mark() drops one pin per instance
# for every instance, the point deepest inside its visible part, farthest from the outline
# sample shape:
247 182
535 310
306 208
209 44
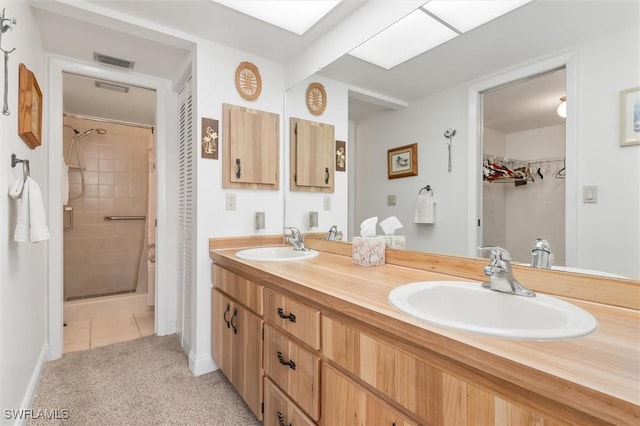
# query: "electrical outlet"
230 201
391 200
327 202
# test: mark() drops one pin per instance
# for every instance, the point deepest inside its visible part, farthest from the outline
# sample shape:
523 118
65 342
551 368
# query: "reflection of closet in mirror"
250 148
523 196
312 156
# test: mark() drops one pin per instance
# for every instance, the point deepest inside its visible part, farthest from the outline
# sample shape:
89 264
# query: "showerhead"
90 131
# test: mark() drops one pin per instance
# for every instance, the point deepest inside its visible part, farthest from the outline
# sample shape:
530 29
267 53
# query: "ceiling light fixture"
111 86
434 23
562 108
294 16
414 34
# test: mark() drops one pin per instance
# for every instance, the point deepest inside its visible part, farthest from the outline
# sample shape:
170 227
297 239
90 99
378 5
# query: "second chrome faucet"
500 274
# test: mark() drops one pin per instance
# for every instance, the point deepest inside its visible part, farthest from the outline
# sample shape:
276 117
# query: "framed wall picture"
341 156
630 117
402 161
29 108
209 142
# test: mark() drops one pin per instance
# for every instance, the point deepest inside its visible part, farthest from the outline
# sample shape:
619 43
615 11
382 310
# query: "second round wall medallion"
316 98
248 81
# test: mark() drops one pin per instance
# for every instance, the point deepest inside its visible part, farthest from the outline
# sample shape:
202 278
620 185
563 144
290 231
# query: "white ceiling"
537 29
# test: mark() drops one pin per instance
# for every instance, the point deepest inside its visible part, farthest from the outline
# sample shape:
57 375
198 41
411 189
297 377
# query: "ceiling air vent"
111 86
113 61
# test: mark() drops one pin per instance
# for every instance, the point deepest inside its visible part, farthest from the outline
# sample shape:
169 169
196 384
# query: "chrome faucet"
541 256
501 275
295 238
332 234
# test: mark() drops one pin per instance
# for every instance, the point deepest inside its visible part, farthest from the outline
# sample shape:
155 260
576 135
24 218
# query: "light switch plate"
327 202
590 194
391 200
230 201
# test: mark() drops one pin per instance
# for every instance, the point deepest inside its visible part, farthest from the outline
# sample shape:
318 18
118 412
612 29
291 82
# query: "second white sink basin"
468 307
275 254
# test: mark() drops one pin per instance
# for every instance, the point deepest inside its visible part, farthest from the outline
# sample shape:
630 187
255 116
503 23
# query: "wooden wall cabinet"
312 157
251 141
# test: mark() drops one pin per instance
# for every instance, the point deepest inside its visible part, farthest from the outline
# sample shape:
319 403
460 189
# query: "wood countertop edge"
457 347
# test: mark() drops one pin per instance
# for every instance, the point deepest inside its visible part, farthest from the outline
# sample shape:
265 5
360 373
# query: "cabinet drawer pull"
326 175
235 314
238 164
224 316
281 420
291 317
290 363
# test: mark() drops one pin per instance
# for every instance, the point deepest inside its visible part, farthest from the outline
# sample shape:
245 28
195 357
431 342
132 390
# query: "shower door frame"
165 316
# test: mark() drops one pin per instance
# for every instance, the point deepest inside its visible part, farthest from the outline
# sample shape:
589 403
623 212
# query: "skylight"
429 26
296 16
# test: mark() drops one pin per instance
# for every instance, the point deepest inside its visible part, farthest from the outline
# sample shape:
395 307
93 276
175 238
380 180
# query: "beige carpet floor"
141 382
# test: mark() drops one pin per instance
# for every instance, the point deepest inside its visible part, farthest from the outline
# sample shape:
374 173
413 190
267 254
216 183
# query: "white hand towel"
37 217
18 193
65 183
425 209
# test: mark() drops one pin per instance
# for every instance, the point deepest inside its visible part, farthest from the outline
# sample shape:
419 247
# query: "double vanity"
318 340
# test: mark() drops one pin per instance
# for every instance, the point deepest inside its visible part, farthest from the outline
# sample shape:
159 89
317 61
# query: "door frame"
165 316
475 123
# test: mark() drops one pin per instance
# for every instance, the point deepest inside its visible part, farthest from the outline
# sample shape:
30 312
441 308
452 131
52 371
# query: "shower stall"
109 214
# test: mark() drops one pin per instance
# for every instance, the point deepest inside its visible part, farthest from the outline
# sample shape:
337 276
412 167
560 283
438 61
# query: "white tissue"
368 227
390 225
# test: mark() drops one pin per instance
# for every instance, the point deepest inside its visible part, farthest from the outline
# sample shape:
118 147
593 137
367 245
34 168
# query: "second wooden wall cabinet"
251 141
312 161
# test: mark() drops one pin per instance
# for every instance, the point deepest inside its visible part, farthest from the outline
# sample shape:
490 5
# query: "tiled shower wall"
100 257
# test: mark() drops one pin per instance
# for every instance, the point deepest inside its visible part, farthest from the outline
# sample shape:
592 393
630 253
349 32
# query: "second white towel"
425 209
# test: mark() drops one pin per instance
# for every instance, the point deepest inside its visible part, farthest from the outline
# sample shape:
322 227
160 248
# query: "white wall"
608 232
299 204
23 265
215 85
423 122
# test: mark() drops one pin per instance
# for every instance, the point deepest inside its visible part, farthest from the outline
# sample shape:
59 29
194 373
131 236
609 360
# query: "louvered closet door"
186 219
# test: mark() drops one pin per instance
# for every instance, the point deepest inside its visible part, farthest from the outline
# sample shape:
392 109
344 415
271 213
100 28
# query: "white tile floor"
105 331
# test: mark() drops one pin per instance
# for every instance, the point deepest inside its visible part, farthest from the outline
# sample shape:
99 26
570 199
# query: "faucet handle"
497 253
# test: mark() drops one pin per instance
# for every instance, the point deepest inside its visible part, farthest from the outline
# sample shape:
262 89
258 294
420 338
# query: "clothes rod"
110 218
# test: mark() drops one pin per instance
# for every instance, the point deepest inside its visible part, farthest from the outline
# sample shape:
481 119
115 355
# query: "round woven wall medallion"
248 81
316 98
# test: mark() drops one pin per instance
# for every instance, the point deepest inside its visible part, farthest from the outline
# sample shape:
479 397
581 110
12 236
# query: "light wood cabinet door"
346 403
294 369
251 141
298 319
312 156
279 410
237 348
239 288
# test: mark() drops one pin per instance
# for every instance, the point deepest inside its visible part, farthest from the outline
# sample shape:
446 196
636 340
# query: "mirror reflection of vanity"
599 237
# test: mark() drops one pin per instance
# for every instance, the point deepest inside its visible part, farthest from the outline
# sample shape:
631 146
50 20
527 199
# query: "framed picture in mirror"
630 117
402 161
29 108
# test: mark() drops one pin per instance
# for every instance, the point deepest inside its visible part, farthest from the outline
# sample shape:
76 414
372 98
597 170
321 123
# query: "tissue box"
368 251
398 242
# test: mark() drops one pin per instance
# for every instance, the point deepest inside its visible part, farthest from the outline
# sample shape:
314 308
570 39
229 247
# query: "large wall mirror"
418 100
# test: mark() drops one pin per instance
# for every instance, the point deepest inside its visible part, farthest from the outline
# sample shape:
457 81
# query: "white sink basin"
468 307
275 254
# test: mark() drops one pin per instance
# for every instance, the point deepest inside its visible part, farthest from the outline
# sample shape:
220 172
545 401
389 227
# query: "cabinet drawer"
294 369
296 318
239 288
279 410
346 403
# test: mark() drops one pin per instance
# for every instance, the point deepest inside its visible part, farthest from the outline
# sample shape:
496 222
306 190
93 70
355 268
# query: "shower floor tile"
83 335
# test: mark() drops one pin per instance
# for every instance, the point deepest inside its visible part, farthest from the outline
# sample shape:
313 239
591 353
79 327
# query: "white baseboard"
34 383
201 365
